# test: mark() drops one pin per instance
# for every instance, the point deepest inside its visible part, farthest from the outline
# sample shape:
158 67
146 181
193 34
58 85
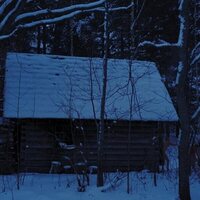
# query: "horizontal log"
38 149
40 146
33 163
37 169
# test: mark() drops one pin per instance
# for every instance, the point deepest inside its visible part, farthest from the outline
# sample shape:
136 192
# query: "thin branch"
196 113
195 60
195 49
138 16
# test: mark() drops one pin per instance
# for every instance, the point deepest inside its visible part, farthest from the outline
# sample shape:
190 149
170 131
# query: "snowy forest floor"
64 186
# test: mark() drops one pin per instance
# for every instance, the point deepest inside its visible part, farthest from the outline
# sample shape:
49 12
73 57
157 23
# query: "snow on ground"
62 187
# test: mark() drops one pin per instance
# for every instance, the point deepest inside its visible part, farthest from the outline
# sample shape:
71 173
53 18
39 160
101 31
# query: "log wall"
40 140
7 151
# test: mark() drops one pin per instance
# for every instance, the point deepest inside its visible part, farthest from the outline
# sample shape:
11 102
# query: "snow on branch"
4 6
39 17
159 44
195 60
60 11
197 46
6 18
6 36
47 16
180 68
66 146
76 9
162 43
44 21
113 9
181 30
196 113
181 5
120 8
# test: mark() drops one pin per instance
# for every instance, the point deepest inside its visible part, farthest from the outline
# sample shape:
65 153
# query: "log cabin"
50 102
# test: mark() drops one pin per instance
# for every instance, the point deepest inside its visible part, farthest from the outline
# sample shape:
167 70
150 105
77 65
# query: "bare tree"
182 95
135 14
183 106
103 100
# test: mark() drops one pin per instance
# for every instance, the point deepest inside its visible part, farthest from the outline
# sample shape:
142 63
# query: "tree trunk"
71 34
44 39
3 54
183 109
38 39
131 82
101 132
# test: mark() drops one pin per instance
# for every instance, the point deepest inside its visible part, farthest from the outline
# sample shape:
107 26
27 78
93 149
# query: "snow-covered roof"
50 86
